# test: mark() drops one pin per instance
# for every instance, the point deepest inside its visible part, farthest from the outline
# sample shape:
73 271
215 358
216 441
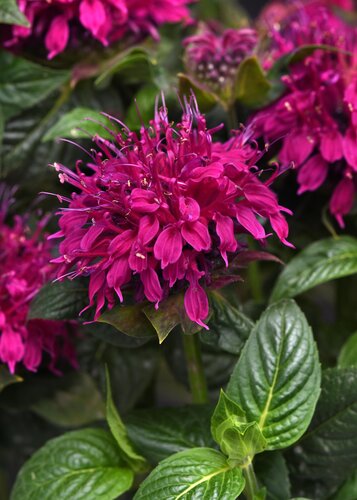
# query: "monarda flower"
212 58
24 268
58 23
316 118
157 208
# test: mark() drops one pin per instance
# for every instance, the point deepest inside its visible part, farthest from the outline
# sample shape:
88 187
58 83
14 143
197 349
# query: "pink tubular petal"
225 231
93 16
168 246
331 146
148 228
196 234
342 199
247 218
312 174
122 243
296 148
189 209
11 348
350 147
281 228
57 36
152 287
144 201
91 235
196 303
118 275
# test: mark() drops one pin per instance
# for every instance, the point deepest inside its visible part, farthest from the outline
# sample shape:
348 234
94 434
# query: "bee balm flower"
158 207
24 268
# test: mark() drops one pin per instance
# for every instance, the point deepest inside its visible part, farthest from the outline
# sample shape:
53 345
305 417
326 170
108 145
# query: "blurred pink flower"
60 22
213 58
24 268
159 208
316 118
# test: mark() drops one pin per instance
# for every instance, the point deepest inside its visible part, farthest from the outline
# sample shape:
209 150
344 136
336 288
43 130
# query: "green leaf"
277 378
61 300
159 433
134 66
229 328
6 378
206 100
348 354
252 85
24 84
272 472
170 314
117 427
79 124
198 473
240 441
129 320
348 490
79 404
142 108
11 14
327 453
78 465
320 262
225 409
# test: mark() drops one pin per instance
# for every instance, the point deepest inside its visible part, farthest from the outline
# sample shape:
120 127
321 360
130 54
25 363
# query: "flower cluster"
24 268
316 119
60 22
159 207
213 59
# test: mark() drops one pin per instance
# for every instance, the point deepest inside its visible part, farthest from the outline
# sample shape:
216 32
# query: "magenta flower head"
24 268
158 208
213 58
59 23
316 119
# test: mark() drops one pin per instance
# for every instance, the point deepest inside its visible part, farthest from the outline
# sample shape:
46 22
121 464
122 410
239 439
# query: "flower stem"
255 281
196 374
251 483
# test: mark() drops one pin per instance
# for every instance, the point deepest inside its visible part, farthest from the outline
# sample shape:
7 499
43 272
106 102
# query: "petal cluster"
61 22
24 268
158 207
213 58
316 118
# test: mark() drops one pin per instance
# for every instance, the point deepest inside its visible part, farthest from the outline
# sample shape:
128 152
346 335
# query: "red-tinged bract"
62 23
316 118
158 207
24 269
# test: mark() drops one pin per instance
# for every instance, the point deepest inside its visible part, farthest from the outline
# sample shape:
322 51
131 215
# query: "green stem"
251 483
196 374
232 118
255 281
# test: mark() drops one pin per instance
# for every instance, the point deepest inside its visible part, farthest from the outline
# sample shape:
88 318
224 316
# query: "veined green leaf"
78 465
117 427
252 85
348 354
80 123
11 14
322 261
159 433
277 378
198 473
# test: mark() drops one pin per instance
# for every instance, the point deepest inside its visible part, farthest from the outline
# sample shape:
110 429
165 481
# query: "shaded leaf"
79 404
228 327
77 465
205 99
198 473
348 490
61 300
320 262
348 354
6 378
277 378
161 432
272 472
327 454
252 85
129 320
117 427
23 83
79 123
